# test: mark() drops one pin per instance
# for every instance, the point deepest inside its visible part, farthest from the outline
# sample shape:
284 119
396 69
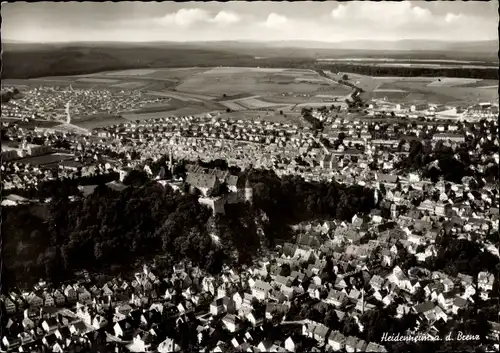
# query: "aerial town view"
250 177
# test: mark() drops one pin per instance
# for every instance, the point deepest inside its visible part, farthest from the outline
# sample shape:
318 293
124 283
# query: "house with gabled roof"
231 322
48 300
202 181
290 344
320 333
27 322
336 340
84 295
336 298
485 281
375 347
34 300
63 333
376 282
50 324
427 309
399 278
70 293
79 328
458 304
10 306
351 343
255 317
49 340
261 289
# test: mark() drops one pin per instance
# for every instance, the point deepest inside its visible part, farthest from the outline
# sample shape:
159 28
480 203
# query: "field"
96 80
452 82
233 105
199 90
181 97
129 85
482 84
411 89
47 159
231 81
97 121
136 72
253 103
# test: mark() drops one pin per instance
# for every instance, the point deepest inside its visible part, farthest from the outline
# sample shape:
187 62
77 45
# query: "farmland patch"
313 105
311 79
253 103
391 95
96 80
31 124
482 84
180 97
452 81
64 80
133 72
489 87
240 70
130 85
277 78
175 75
97 120
235 81
47 159
233 105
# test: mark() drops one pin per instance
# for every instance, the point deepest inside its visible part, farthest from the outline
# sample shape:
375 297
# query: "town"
321 289
250 177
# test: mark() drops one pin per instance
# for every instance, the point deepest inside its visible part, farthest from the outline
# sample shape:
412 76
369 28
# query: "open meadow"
230 81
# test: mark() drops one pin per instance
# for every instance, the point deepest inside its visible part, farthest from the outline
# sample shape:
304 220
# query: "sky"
242 20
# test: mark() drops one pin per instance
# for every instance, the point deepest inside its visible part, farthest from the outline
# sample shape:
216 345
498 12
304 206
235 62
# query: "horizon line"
15 41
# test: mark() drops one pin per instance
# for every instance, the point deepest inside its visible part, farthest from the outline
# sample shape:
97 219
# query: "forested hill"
24 60
412 71
105 230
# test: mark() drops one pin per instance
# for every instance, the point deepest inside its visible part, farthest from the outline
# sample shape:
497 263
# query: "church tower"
248 192
394 211
170 162
171 158
68 115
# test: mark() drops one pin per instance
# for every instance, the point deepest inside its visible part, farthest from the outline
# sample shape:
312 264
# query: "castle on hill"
207 180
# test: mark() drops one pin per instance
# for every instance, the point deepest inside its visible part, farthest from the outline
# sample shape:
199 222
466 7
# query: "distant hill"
402 45
27 60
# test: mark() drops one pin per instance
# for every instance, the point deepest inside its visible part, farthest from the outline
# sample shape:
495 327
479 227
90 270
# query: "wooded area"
106 229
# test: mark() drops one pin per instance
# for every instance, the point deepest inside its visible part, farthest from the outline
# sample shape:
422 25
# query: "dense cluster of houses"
129 312
51 102
277 146
285 148
424 109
